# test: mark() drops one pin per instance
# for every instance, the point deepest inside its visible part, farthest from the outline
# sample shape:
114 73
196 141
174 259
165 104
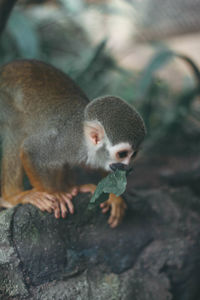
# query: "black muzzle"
120 166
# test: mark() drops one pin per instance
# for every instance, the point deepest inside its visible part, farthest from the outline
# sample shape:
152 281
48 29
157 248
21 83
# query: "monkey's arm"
48 175
44 163
115 203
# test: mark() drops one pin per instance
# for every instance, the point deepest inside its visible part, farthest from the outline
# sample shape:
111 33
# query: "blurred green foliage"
57 37
20 39
166 112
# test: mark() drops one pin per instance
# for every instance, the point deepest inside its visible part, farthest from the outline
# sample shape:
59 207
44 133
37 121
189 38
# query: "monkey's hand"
118 207
63 203
59 203
116 203
42 200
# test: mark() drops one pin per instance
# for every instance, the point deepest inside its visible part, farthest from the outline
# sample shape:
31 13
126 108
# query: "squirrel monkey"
48 126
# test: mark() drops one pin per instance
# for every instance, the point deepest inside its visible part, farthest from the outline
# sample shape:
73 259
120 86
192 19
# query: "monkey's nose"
120 166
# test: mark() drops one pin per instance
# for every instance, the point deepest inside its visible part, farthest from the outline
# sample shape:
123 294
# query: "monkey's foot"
118 207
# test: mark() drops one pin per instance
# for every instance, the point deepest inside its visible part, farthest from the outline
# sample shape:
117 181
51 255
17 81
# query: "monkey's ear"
94 132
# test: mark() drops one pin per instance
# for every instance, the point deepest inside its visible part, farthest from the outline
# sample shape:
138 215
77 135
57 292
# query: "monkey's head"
113 133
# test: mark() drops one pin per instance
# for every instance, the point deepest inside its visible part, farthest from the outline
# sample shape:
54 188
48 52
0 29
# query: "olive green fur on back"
34 86
38 99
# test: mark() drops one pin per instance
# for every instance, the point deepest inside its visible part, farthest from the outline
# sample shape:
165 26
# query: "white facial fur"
92 158
100 151
121 147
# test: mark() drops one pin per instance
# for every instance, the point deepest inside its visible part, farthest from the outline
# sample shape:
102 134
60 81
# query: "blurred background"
145 51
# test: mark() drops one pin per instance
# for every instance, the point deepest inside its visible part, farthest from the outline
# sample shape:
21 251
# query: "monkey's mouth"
122 167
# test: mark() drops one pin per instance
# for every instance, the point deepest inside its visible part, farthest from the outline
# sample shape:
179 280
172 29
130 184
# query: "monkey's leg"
115 203
11 171
44 196
12 186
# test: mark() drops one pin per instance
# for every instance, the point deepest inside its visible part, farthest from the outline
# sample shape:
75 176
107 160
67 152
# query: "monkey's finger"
50 201
46 208
120 211
69 204
63 208
116 220
123 210
50 197
74 191
68 195
57 210
112 215
29 199
105 204
36 196
57 213
41 204
49 205
36 202
39 200
115 223
42 200
105 209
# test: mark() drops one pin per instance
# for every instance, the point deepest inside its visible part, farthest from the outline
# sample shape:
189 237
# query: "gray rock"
153 254
11 275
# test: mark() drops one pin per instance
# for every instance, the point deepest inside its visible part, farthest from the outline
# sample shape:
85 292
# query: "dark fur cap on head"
122 123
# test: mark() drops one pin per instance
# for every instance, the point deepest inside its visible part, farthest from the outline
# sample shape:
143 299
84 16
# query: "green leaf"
158 61
114 183
192 65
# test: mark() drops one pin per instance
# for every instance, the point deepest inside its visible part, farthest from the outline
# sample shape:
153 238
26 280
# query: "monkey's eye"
122 154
